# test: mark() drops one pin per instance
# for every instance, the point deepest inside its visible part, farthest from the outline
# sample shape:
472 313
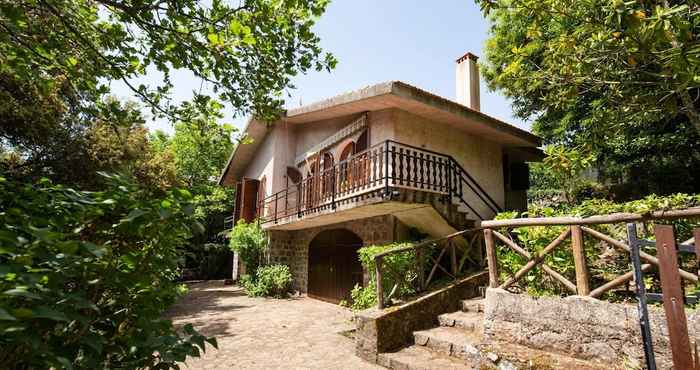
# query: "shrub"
403 264
86 276
364 297
270 281
249 241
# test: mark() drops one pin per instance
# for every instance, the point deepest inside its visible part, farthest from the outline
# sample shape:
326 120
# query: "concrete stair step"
450 341
471 321
419 358
473 305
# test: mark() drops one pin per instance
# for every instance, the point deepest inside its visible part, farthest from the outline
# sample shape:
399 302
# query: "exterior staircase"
458 343
451 345
454 214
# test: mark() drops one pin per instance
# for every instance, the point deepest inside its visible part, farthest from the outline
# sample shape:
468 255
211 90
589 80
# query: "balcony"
384 172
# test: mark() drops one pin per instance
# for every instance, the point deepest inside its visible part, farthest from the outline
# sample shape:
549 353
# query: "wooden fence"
497 231
449 257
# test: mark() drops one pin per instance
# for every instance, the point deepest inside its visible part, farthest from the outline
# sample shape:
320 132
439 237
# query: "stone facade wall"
579 326
291 247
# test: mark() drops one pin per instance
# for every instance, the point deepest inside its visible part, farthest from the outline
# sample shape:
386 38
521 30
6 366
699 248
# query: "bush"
86 276
270 281
604 262
402 263
364 297
249 241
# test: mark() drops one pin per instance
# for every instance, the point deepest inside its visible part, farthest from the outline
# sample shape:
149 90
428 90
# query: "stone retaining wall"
579 326
389 329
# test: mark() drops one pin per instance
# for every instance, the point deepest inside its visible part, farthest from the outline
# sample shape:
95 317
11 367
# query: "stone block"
579 326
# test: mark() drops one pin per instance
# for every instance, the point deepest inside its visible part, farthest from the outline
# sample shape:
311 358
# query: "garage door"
334 268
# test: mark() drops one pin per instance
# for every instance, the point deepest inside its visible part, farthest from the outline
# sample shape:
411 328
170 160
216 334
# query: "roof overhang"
255 132
386 95
396 94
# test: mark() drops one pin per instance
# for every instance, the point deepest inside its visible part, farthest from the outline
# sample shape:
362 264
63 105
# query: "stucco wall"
291 248
583 327
482 158
310 134
381 125
263 161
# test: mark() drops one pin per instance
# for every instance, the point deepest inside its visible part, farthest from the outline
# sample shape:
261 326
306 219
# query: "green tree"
201 144
618 79
127 150
640 57
249 240
59 59
200 147
247 51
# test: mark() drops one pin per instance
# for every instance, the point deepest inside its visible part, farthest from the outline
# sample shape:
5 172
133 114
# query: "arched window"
362 142
327 175
293 176
327 160
348 151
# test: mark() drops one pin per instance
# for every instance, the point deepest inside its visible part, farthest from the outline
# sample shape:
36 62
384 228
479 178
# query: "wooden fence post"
453 257
378 277
582 284
672 290
491 258
421 268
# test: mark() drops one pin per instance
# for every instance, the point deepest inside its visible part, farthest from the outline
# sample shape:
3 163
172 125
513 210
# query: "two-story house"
366 167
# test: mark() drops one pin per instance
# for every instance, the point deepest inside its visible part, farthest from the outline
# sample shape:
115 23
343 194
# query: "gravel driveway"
259 333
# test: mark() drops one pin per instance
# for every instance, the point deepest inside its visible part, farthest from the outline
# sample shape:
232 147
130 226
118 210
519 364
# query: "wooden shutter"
249 199
237 205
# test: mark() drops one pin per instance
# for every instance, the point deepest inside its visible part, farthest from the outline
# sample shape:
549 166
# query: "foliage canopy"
247 52
615 79
85 276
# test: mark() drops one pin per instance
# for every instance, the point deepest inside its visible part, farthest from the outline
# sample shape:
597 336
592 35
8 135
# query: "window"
261 196
362 142
293 176
348 151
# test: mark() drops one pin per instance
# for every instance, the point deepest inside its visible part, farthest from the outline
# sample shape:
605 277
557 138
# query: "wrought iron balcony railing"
382 168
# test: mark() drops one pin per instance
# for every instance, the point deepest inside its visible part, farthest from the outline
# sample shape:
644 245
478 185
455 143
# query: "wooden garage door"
334 268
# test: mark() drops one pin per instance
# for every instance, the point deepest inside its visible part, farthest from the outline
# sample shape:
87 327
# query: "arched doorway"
334 267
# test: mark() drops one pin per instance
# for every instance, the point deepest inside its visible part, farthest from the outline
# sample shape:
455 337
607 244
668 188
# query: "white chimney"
468 81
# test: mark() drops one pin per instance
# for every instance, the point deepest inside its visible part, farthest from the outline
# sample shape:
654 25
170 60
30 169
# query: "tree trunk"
690 111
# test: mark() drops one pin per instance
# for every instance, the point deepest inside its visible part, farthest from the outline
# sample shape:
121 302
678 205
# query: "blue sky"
380 40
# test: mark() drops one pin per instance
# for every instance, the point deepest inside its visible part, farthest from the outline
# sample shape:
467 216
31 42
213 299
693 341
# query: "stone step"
473 305
419 358
471 321
450 341
469 347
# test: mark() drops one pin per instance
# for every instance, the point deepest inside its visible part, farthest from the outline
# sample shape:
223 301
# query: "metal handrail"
492 205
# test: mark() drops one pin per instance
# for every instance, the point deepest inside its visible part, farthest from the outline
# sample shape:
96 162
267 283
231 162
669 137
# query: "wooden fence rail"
447 256
493 232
